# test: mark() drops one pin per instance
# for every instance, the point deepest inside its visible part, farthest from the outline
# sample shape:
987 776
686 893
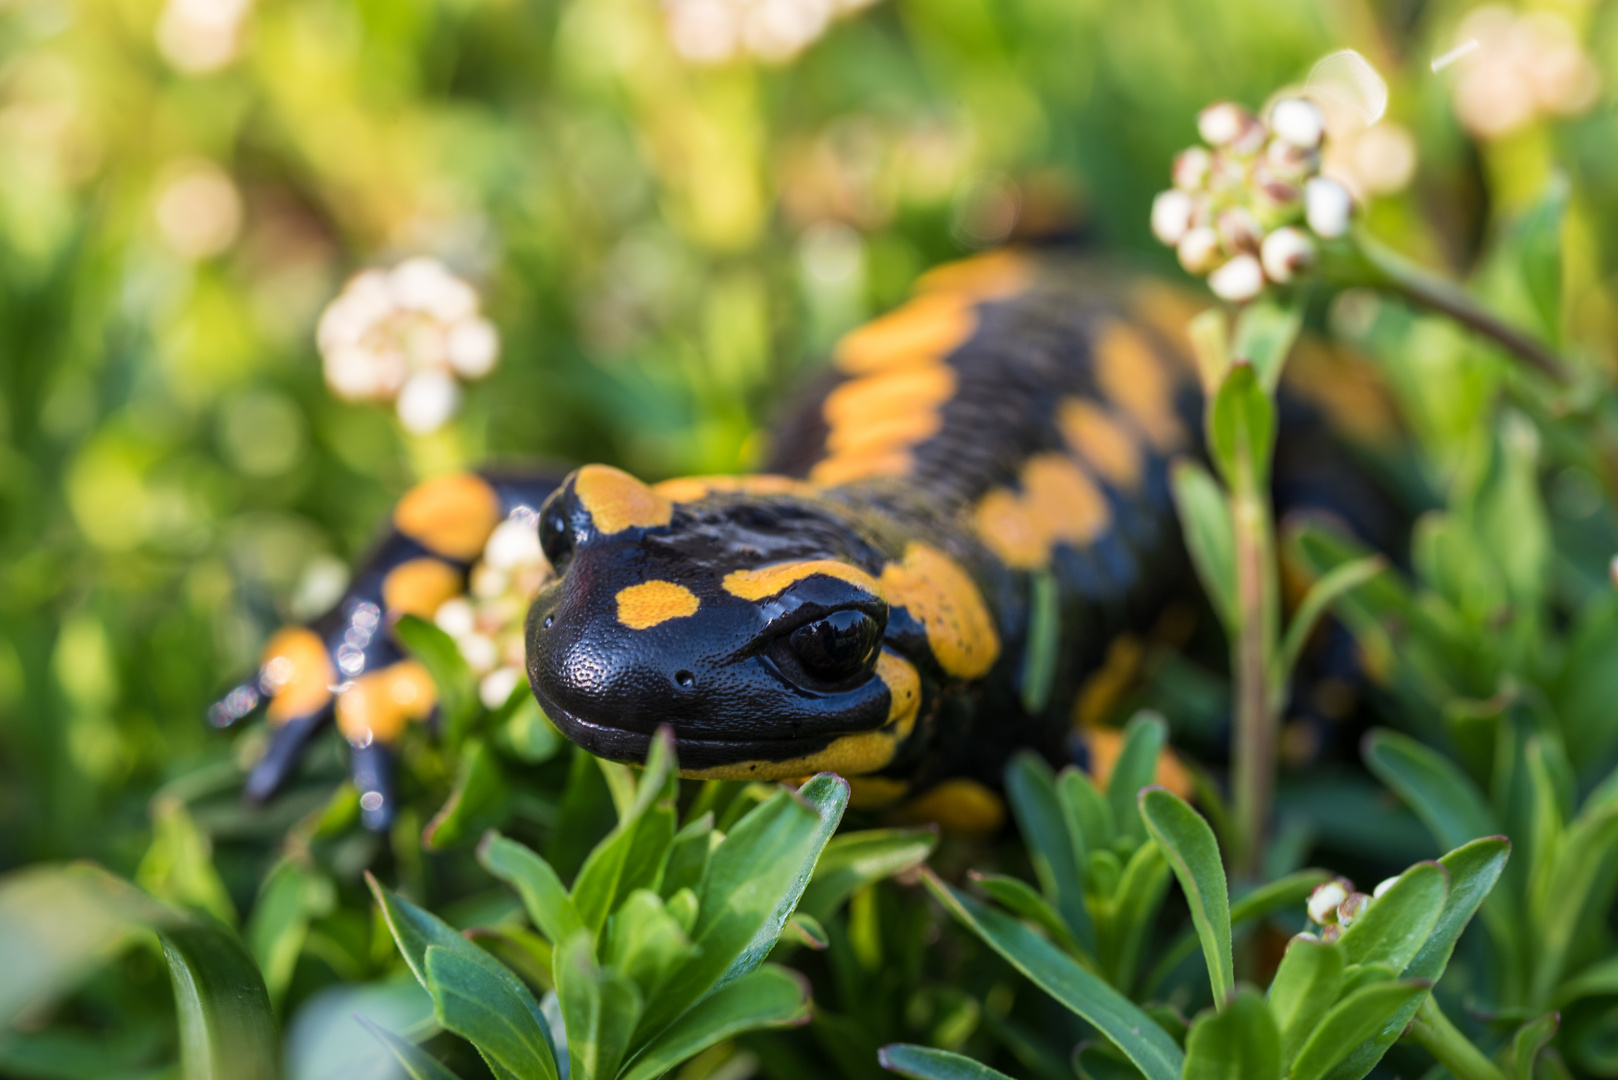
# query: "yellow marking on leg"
617 501
643 606
1064 502
419 586
296 672
849 468
1105 744
1096 435
686 489
1002 521
944 598
922 331
994 276
1102 691
1130 372
771 580
449 515
376 706
960 806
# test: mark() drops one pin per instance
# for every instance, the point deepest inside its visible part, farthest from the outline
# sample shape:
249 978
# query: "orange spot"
934 589
1102 691
1005 526
895 432
417 587
987 277
904 692
924 330
1097 436
377 705
450 515
874 398
1169 311
643 606
686 489
772 580
959 806
1064 502
1106 744
296 672
846 469
1131 373
617 501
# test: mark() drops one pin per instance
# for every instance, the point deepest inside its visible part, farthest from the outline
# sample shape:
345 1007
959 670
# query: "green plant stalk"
1254 663
1440 1038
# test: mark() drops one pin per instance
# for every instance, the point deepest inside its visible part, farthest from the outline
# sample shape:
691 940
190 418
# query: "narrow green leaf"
227 1029
1582 884
628 859
1394 927
1530 1039
1598 980
805 929
415 1061
1305 986
457 688
1334 585
854 860
688 855
1115 1016
1031 791
1089 818
1241 427
480 799
1210 534
179 864
1020 898
1537 238
523 731
925 1063
288 899
1209 332
481 1008
769 997
600 1009
1265 332
1446 800
543 895
1281 894
1193 854
1144 738
1354 1020
1238 1042
644 942
1141 889
1044 642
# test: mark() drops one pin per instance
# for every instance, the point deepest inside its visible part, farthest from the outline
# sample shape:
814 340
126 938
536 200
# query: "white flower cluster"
405 335
1516 68
717 31
1245 209
1334 906
201 36
487 623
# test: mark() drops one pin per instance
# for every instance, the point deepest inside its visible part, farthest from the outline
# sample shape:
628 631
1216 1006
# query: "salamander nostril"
685 679
548 620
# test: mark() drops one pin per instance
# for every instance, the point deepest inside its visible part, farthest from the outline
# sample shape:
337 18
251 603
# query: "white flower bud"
514 543
1286 253
1238 230
427 401
1171 215
455 617
1298 123
1305 936
1352 907
1239 280
473 348
1387 883
1331 933
1227 125
1324 900
1192 168
479 652
1327 207
497 685
1199 250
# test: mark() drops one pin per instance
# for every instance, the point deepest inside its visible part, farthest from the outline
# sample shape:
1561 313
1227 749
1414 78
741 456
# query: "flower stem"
1440 1038
1253 660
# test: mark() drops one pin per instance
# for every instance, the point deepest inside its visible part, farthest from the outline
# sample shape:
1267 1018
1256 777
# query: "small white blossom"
1384 886
1352 907
1298 123
1239 280
1327 207
1286 253
1192 168
1226 125
495 687
1171 215
1199 250
1324 901
455 617
513 544
487 623
427 400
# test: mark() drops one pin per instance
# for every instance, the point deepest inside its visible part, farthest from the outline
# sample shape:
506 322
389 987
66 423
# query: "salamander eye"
838 646
555 538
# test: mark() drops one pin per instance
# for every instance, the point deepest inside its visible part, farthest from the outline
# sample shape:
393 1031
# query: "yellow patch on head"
449 515
771 580
377 705
296 672
986 277
417 587
944 598
617 501
959 806
643 606
922 331
1130 372
1007 528
687 489
1105 744
1096 435
1064 502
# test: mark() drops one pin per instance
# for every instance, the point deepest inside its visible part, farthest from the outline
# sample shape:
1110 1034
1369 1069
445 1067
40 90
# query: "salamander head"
751 622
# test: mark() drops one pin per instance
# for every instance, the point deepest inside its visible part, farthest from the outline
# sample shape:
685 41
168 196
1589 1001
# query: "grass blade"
227 1029
1193 854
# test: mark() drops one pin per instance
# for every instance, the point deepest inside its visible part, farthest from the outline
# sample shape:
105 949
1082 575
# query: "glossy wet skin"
753 625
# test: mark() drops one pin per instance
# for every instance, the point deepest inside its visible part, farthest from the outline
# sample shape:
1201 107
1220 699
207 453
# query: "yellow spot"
1106 744
875 398
1102 691
643 606
987 277
617 501
959 806
896 432
771 580
296 672
377 705
848 468
687 489
904 693
922 331
450 515
874 792
1169 311
1096 435
417 587
936 591
1130 372
1064 502
1002 521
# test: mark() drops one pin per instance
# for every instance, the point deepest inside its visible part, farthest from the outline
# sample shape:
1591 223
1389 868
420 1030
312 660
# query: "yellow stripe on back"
686 489
772 580
922 331
377 705
1096 435
297 674
1132 375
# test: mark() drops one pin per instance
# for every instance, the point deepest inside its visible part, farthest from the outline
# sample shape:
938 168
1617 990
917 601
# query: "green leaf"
1530 1039
1209 332
1193 854
1283 893
1210 534
288 899
1241 429
1446 800
470 1000
179 864
415 1061
688 856
1088 816
1043 644
1305 986
546 900
524 731
644 942
1537 238
1352 1022
600 1009
1335 584
1394 927
479 800
1031 791
227 1028
854 860
457 687
925 1063
1265 332
805 929
1136 768
1140 894
1115 1016
771 996
1581 885
632 855
1598 980
1239 1042
1020 898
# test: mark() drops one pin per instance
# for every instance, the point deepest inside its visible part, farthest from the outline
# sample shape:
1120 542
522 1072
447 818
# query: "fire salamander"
1000 442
